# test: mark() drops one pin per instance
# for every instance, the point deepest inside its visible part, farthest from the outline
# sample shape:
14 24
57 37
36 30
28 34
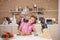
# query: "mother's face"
28 17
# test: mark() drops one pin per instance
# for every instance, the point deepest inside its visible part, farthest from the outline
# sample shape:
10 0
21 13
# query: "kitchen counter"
53 29
31 37
9 25
38 24
12 28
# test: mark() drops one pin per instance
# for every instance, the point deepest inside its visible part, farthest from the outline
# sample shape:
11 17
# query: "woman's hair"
34 18
25 20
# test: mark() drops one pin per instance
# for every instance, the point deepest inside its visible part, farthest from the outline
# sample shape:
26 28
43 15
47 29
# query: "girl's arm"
34 30
20 29
20 32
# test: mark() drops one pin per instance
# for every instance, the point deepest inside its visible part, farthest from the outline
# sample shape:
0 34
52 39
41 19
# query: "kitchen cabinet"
8 28
53 29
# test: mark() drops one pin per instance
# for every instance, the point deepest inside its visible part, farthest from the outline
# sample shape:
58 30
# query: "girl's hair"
34 18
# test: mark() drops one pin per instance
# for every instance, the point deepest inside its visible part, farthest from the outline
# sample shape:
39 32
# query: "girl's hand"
27 33
22 34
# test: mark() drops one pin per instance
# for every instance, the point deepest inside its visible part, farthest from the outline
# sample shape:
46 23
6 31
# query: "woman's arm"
19 30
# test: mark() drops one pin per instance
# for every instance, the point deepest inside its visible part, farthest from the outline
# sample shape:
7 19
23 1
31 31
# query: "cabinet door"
2 29
38 28
54 31
8 29
15 29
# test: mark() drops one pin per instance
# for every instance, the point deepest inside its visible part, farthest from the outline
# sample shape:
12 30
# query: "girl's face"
31 20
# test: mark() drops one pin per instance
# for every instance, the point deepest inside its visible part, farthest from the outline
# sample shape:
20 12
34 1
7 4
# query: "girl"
26 28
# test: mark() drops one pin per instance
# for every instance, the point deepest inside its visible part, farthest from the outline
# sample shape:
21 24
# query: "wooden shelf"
15 11
21 11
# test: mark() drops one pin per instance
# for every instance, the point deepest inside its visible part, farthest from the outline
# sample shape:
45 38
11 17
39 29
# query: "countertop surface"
28 38
35 25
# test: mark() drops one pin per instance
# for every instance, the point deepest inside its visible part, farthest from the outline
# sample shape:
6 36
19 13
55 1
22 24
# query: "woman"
22 19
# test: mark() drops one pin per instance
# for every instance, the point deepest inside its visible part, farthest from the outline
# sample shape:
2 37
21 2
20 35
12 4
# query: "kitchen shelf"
15 11
21 11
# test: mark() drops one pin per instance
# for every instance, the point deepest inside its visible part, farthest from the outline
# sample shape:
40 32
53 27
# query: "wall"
11 4
59 18
53 29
